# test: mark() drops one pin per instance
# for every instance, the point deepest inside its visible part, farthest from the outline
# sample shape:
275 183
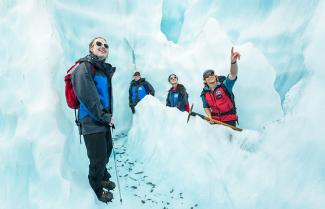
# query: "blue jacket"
138 90
177 97
91 81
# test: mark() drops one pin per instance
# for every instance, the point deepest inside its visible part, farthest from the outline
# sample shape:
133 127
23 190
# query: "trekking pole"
191 113
114 155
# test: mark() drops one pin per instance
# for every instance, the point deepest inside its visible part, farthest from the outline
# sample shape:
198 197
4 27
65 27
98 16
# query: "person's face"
136 77
173 79
210 78
100 48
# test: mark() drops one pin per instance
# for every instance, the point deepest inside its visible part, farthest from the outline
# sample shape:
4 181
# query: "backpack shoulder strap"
203 90
229 94
91 66
221 78
93 71
73 67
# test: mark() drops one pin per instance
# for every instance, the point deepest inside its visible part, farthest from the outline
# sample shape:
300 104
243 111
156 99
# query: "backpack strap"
89 64
232 99
221 78
230 95
93 71
77 121
73 67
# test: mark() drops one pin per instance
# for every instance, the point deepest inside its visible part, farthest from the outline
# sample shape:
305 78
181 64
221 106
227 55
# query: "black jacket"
182 98
136 85
86 90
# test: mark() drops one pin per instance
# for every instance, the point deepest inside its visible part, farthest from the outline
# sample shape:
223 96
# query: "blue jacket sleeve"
229 83
204 102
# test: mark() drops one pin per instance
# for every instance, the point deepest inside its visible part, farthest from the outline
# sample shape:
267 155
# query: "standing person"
217 96
91 81
139 88
177 95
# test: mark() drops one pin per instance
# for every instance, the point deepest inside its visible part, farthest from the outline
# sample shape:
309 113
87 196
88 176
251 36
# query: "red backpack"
70 96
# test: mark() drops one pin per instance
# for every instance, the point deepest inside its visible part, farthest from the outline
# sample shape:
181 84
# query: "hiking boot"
109 185
106 197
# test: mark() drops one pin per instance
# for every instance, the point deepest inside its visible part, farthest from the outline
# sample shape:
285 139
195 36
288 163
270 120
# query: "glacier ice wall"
279 95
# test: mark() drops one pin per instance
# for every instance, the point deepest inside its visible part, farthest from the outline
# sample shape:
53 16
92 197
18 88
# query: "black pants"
99 148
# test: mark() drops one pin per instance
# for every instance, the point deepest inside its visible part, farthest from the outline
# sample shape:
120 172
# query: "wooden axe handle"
215 121
224 124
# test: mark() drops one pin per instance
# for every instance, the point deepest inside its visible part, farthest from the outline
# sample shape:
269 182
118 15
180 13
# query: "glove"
106 119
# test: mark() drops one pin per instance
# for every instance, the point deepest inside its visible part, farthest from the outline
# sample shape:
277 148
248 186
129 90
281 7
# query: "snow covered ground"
276 162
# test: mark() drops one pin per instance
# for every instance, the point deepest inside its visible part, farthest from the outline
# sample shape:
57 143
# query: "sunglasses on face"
208 74
172 78
98 43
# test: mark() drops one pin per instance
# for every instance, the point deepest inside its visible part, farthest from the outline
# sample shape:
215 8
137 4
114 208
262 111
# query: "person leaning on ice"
217 96
177 95
93 87
139 88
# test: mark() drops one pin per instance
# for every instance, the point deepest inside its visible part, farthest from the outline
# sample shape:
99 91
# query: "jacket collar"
207 88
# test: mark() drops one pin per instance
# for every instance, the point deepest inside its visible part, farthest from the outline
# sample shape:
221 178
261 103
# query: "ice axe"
191 113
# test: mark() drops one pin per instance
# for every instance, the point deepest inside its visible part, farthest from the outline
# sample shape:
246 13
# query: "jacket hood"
99 64
179 87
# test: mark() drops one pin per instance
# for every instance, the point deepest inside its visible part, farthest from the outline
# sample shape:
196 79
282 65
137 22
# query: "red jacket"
220 103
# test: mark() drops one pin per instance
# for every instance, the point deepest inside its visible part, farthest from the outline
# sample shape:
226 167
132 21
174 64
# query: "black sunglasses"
98 43
173 77
208 74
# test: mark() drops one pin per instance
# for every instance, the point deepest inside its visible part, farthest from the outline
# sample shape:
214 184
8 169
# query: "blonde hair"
92 42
